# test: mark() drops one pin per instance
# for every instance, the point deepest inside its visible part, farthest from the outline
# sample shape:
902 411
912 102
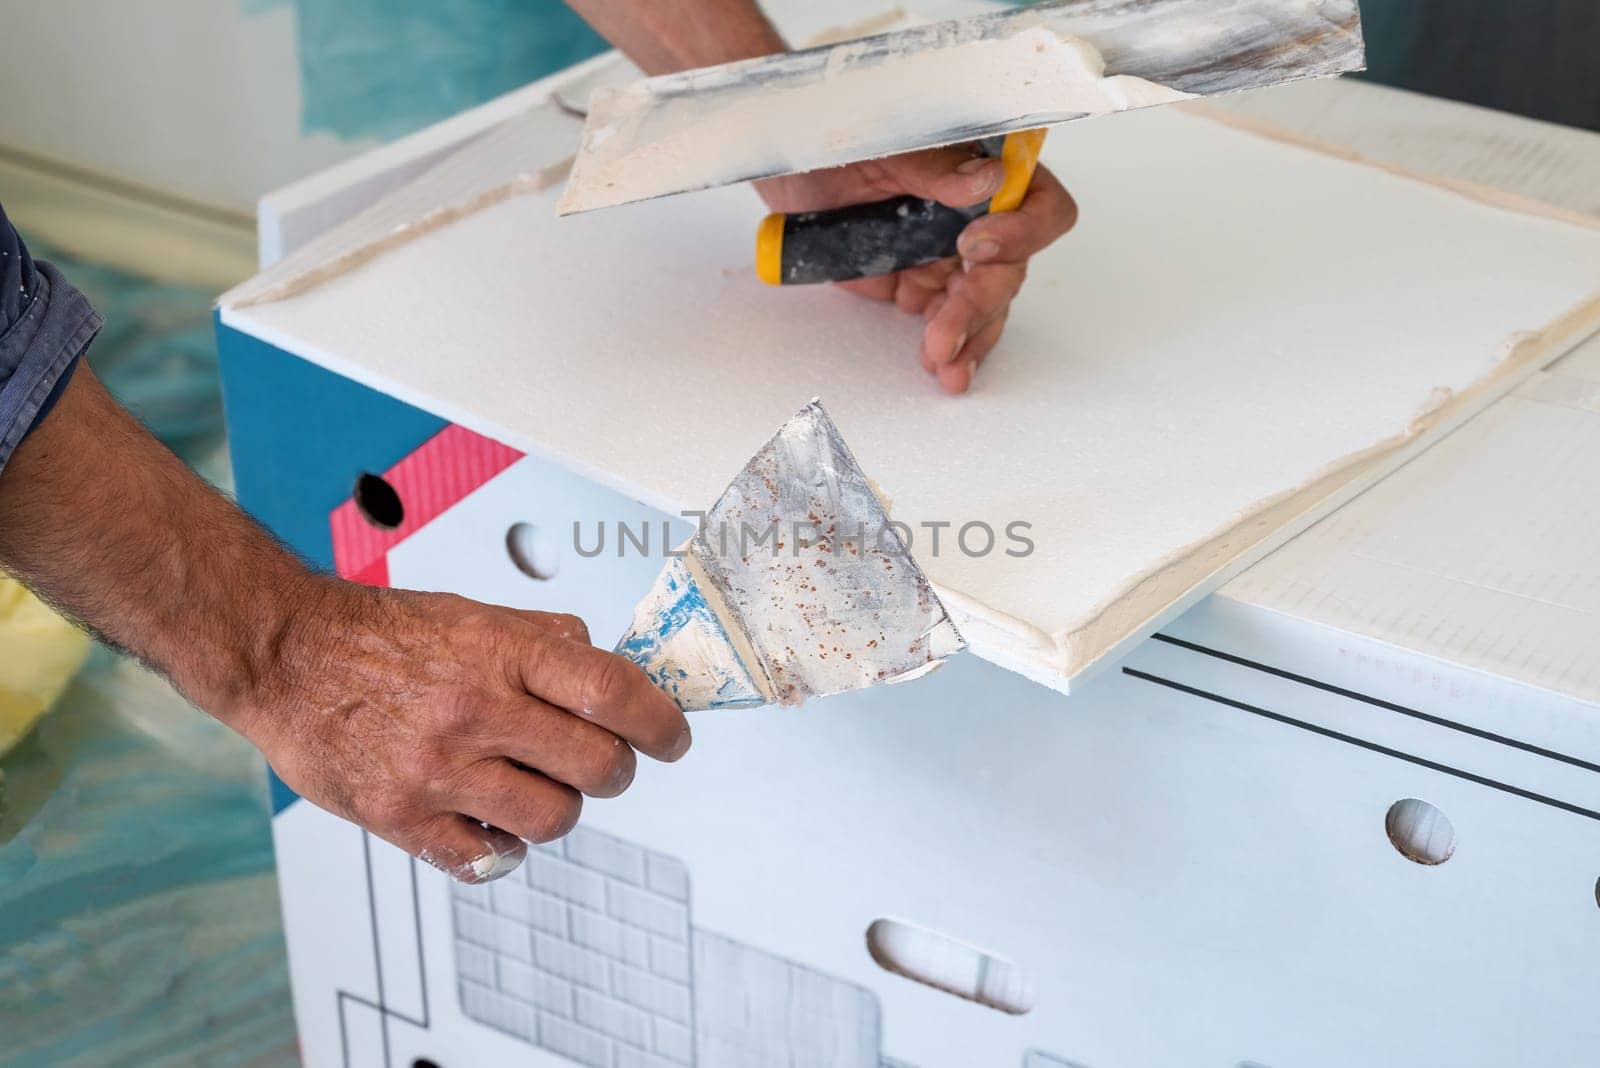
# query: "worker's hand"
965 300
426 718
452 729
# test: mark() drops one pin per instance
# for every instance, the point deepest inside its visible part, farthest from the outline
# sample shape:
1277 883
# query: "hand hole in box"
535 552
942 962
1420 831
423 1062
378 502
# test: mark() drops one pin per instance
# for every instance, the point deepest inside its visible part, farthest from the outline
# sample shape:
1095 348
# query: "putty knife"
945 83
796 585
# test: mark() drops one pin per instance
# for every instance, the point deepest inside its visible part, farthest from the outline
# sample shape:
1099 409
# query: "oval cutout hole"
533 551
1597 891
378 502
1420 831
942 962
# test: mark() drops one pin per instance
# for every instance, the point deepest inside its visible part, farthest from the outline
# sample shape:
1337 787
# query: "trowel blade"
940 84
797 585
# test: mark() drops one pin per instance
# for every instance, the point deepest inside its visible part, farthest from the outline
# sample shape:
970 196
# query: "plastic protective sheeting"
43 652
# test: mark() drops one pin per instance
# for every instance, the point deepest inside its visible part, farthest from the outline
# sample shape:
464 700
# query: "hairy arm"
663 36
116 531
450 728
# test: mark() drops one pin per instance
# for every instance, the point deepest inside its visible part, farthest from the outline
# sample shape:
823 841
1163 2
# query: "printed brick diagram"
584 952
589 952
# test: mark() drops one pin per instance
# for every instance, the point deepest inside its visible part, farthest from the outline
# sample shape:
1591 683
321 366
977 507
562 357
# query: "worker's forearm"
100 518
663 36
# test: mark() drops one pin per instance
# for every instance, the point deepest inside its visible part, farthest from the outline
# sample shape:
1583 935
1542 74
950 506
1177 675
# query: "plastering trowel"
995 79
796 585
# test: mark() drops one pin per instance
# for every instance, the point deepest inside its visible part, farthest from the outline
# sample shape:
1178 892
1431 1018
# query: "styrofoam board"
1446 138
1481 552
1167 197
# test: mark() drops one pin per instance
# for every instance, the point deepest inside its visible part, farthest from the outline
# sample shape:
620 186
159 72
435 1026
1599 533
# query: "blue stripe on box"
300 436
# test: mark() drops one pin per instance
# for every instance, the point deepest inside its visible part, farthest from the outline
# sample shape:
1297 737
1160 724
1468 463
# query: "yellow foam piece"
42 653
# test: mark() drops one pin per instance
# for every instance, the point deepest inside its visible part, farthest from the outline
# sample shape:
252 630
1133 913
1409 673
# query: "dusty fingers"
606 690
457 730
462 848
966 320
1046 215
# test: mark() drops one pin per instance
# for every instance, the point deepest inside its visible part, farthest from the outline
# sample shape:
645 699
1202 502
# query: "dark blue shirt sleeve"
45 325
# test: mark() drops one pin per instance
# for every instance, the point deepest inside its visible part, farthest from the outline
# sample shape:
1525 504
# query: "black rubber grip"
868 240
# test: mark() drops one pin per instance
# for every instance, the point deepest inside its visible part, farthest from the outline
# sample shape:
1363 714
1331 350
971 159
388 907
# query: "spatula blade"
797 585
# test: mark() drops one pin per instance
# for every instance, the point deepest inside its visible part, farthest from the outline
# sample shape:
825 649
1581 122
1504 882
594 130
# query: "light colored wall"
195 98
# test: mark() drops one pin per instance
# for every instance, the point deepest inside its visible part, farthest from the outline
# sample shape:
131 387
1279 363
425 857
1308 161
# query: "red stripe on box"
430 481
374 574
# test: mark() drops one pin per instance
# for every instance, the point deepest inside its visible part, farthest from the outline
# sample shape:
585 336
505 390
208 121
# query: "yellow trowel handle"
867 240
1020 154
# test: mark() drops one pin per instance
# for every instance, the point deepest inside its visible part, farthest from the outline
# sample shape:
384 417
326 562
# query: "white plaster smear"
1240 334
525 153
638 145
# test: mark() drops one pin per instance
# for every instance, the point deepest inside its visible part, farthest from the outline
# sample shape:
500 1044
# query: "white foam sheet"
1482 553
1234 318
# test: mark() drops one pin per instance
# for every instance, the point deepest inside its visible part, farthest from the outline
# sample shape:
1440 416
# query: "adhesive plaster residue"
515 158
348 248
861 104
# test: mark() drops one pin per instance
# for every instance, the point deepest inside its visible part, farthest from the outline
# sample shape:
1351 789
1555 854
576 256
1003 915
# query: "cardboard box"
1188 860
1344 811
